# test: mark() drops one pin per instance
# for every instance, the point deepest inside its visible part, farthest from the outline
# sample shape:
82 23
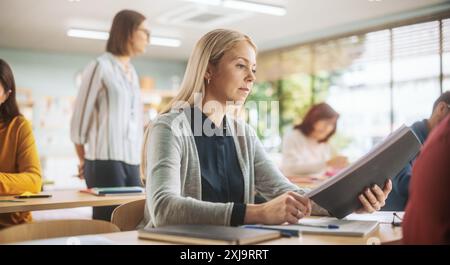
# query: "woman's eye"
242 66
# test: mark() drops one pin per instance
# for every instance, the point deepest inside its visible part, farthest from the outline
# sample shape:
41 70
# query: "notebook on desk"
319 226
114 191
208 234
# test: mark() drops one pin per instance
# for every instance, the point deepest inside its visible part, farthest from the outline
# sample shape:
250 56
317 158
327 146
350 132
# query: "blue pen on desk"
330 226
284 232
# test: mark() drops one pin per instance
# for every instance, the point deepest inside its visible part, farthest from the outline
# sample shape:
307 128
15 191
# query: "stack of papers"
330 226
383 217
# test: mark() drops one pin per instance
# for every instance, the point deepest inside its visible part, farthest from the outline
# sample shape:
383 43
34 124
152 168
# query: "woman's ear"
209 72
442 108
6 96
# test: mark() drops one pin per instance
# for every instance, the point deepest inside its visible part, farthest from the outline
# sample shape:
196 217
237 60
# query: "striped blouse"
107 117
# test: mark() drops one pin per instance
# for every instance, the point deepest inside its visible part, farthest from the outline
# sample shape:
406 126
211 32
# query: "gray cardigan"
171 169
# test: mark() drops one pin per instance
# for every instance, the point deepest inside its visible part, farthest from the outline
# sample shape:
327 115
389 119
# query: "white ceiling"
42 24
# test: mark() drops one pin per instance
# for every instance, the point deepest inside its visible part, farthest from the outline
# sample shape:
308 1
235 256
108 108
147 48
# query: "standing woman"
106 126
202 166
20 170
306 151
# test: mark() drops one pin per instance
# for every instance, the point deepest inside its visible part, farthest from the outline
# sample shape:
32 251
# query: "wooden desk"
383 235
63 199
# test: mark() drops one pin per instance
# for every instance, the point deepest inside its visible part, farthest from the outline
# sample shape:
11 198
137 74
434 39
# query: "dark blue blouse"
222 179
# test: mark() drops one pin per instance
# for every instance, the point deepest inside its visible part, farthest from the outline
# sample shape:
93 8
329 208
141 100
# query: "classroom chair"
127 216
55 228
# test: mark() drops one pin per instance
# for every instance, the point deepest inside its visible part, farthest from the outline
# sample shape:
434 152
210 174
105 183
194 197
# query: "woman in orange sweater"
20 169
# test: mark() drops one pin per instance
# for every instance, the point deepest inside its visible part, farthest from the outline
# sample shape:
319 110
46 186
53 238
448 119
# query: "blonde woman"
202 166
106 126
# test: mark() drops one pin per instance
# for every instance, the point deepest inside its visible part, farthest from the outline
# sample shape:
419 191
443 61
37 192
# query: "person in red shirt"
427 214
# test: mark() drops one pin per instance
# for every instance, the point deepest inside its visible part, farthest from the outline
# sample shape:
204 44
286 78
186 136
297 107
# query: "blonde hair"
209 49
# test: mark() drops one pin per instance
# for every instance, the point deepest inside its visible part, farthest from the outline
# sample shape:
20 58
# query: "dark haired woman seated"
20 169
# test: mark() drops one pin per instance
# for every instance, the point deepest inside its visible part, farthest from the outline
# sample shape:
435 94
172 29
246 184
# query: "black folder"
339 194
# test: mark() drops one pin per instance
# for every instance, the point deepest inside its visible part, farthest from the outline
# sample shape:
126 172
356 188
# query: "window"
360 93
377 81
446 54
416 71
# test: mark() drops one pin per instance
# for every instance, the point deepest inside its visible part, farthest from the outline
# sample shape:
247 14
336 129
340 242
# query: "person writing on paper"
306 150
20 169
427 214
201 165
106 125
399 197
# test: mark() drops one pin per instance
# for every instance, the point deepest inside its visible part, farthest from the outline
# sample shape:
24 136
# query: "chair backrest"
55 228
127 216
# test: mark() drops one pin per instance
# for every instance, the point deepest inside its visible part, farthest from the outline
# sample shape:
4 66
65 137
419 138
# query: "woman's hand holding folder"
289 207
374 198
